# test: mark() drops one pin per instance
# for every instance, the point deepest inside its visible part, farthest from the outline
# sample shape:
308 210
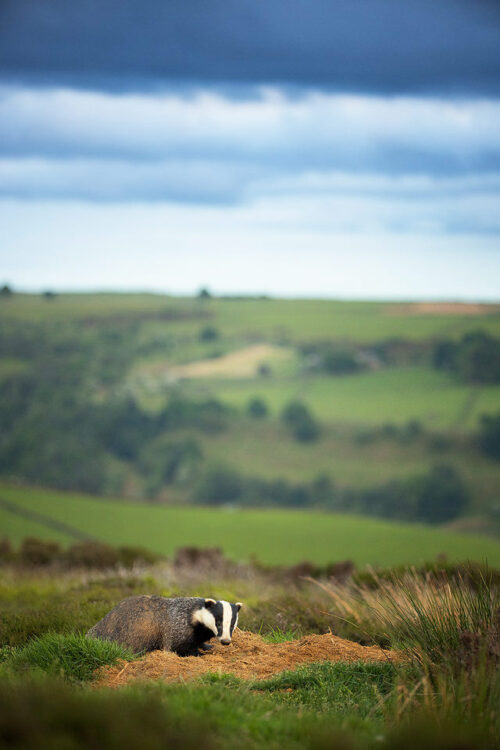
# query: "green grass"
280 537
219 713
30 609
72 656
266 449
10 366
393 395
38 714
342 688
275 319
347 706
355 321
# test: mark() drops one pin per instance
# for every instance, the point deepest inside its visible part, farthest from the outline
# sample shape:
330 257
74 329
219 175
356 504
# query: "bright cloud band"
351 163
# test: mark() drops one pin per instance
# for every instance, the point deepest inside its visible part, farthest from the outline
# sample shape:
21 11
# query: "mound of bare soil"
247 657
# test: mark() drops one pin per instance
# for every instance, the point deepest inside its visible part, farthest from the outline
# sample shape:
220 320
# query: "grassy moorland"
443 692
272 536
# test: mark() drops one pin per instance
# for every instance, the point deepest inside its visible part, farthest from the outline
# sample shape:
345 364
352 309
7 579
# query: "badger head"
220 618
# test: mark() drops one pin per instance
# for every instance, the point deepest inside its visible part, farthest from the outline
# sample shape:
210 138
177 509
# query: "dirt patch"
247 657
442 308
238 364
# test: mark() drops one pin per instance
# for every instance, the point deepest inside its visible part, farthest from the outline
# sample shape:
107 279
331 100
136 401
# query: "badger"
181 624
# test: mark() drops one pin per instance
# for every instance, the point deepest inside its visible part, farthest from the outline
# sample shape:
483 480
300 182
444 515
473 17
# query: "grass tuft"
433 621
73 656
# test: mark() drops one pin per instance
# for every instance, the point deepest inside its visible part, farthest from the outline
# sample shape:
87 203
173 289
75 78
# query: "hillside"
145 396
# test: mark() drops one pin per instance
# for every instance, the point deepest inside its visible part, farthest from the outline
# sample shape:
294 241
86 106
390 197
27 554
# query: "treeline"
438 496
474 358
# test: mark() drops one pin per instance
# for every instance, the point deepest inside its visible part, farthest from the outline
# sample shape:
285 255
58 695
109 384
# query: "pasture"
385 396
272 536
276 320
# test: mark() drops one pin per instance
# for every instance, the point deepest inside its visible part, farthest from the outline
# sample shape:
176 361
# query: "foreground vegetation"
443 693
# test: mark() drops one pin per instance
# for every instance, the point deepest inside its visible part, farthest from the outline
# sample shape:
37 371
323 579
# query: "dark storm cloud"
382 46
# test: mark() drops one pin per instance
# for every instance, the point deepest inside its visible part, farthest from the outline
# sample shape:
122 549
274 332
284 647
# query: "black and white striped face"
221 618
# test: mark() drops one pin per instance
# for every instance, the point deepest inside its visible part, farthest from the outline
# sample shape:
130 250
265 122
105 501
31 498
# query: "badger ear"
209 603
238 606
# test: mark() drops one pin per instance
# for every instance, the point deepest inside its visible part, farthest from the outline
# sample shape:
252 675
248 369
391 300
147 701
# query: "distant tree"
442 495
411 430
264 371
444 355
6 291
209 333
474 359
204 293
166 461
489 435
257 408
49 296
341 362
219 485
300 421
478 358
322 490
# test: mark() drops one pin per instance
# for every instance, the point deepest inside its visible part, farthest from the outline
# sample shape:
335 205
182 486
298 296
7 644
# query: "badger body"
180 624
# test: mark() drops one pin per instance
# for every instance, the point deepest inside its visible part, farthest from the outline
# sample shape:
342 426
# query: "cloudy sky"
341 148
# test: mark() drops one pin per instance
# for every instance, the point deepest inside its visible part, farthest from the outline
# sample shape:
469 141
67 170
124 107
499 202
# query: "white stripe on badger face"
227 616
206 618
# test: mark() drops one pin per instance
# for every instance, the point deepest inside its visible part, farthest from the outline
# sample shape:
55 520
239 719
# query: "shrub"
91 554
6 552
128 556
257 408
38 552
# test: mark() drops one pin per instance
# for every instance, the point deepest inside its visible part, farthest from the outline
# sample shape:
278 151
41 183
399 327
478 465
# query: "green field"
393 395
255 319
275 537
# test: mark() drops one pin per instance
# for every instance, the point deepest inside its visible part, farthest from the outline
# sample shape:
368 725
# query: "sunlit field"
278 537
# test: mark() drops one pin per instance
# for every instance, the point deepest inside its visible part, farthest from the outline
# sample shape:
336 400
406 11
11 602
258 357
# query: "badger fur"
181 624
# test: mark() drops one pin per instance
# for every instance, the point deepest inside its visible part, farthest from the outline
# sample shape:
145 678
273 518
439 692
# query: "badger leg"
187 649
206 646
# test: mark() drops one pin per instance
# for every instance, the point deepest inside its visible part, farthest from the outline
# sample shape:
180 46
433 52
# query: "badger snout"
225 641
